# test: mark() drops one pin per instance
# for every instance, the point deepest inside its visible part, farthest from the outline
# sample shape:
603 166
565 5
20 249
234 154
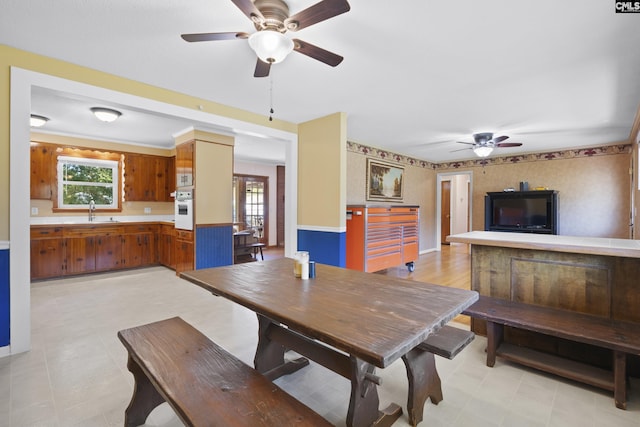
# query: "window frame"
114 165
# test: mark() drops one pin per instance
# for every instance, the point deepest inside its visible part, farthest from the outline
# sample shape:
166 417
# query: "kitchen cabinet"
138 245
43 171
108 252
80 254
47 252
184 164
67 250
166 246
148 178
380 237
184 251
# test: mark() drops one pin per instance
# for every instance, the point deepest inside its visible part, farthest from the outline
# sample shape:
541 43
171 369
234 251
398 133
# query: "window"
82 180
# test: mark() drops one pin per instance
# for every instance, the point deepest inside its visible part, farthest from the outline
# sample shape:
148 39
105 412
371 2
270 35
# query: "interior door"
445 211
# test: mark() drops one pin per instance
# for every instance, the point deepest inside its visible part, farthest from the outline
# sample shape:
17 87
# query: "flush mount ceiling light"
38 121
482 150
106 114
271 46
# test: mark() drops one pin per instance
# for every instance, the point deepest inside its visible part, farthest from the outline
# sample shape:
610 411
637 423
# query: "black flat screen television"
522 211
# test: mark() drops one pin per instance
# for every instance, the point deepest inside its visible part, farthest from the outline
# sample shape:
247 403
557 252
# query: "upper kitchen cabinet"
148 178
43 170
184 164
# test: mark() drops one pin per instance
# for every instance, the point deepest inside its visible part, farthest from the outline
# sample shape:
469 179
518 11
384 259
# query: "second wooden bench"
622 338
205 385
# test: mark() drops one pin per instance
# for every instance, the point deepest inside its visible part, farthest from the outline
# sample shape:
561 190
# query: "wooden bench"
621 338
424 381
206 386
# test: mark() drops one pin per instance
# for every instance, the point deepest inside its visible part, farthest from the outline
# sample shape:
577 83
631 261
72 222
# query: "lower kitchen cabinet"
80 255
139 245
166 246
184 251
47 257
58 251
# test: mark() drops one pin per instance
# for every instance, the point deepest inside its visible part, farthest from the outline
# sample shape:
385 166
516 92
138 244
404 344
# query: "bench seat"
620 337
204 384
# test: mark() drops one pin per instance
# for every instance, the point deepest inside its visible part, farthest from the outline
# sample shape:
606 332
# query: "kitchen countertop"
548 242
83 220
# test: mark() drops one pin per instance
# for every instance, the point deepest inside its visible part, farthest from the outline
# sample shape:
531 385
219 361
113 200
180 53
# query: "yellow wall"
13 57
213 183
322 170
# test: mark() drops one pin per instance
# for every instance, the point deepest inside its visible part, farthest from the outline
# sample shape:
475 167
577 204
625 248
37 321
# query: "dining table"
348 321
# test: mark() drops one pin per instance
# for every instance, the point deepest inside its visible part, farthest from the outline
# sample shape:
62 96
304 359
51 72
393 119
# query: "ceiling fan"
271 19
484 143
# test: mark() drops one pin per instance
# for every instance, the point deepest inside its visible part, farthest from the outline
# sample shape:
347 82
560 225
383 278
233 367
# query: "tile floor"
75 374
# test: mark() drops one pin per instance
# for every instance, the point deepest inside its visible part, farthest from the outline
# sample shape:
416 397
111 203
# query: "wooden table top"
373 317
627 248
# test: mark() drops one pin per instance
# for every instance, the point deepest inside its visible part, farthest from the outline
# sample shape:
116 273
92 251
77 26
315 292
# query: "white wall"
261 169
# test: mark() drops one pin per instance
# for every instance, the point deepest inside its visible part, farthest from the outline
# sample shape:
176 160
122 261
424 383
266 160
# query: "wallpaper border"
532 157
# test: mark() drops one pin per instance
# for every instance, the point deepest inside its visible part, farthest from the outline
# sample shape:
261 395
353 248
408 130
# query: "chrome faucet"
92 210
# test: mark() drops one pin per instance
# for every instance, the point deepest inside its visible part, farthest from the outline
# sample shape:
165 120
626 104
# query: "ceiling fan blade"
468 143
316 52
462 149
262 68
509 144
206 37
500 139
317 13
248 8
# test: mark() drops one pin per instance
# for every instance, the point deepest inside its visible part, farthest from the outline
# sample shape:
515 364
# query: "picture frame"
385 181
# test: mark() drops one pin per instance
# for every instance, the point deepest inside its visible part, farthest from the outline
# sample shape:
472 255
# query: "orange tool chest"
380 237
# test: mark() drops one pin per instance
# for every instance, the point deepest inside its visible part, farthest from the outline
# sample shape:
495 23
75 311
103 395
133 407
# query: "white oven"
184 210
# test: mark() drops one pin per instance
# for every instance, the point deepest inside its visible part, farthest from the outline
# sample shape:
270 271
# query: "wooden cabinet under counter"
47 252
184 250
65 250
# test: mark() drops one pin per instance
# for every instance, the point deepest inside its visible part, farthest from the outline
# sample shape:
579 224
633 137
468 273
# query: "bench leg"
620 379
495 334
424 382
144 400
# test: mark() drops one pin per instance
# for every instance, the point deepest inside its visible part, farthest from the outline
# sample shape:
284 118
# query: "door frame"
446 176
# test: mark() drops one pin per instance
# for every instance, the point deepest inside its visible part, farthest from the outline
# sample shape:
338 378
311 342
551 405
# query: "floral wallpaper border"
535 157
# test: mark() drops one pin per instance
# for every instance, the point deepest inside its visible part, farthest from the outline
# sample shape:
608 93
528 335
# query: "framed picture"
384 181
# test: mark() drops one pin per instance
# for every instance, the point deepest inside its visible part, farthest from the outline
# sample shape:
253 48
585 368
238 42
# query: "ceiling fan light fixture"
107 115
37 121
270 46
482 150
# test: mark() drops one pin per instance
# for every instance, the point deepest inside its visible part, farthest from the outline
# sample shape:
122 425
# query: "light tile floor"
76 375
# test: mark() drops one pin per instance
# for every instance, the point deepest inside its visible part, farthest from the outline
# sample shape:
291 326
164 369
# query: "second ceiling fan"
271 19
484 143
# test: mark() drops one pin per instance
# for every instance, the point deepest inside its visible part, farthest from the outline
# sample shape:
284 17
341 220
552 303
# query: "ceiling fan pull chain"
271 97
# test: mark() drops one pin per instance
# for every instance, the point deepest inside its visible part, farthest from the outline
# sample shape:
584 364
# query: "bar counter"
554 243
589 275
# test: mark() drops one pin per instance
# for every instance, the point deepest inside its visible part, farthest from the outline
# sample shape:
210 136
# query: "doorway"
454 204
22 81
251 205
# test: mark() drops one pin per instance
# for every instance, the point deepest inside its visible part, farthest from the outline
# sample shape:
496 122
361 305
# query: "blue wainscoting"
324 247
214 246
5 331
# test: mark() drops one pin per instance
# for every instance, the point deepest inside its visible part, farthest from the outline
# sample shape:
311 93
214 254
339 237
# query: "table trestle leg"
424 382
